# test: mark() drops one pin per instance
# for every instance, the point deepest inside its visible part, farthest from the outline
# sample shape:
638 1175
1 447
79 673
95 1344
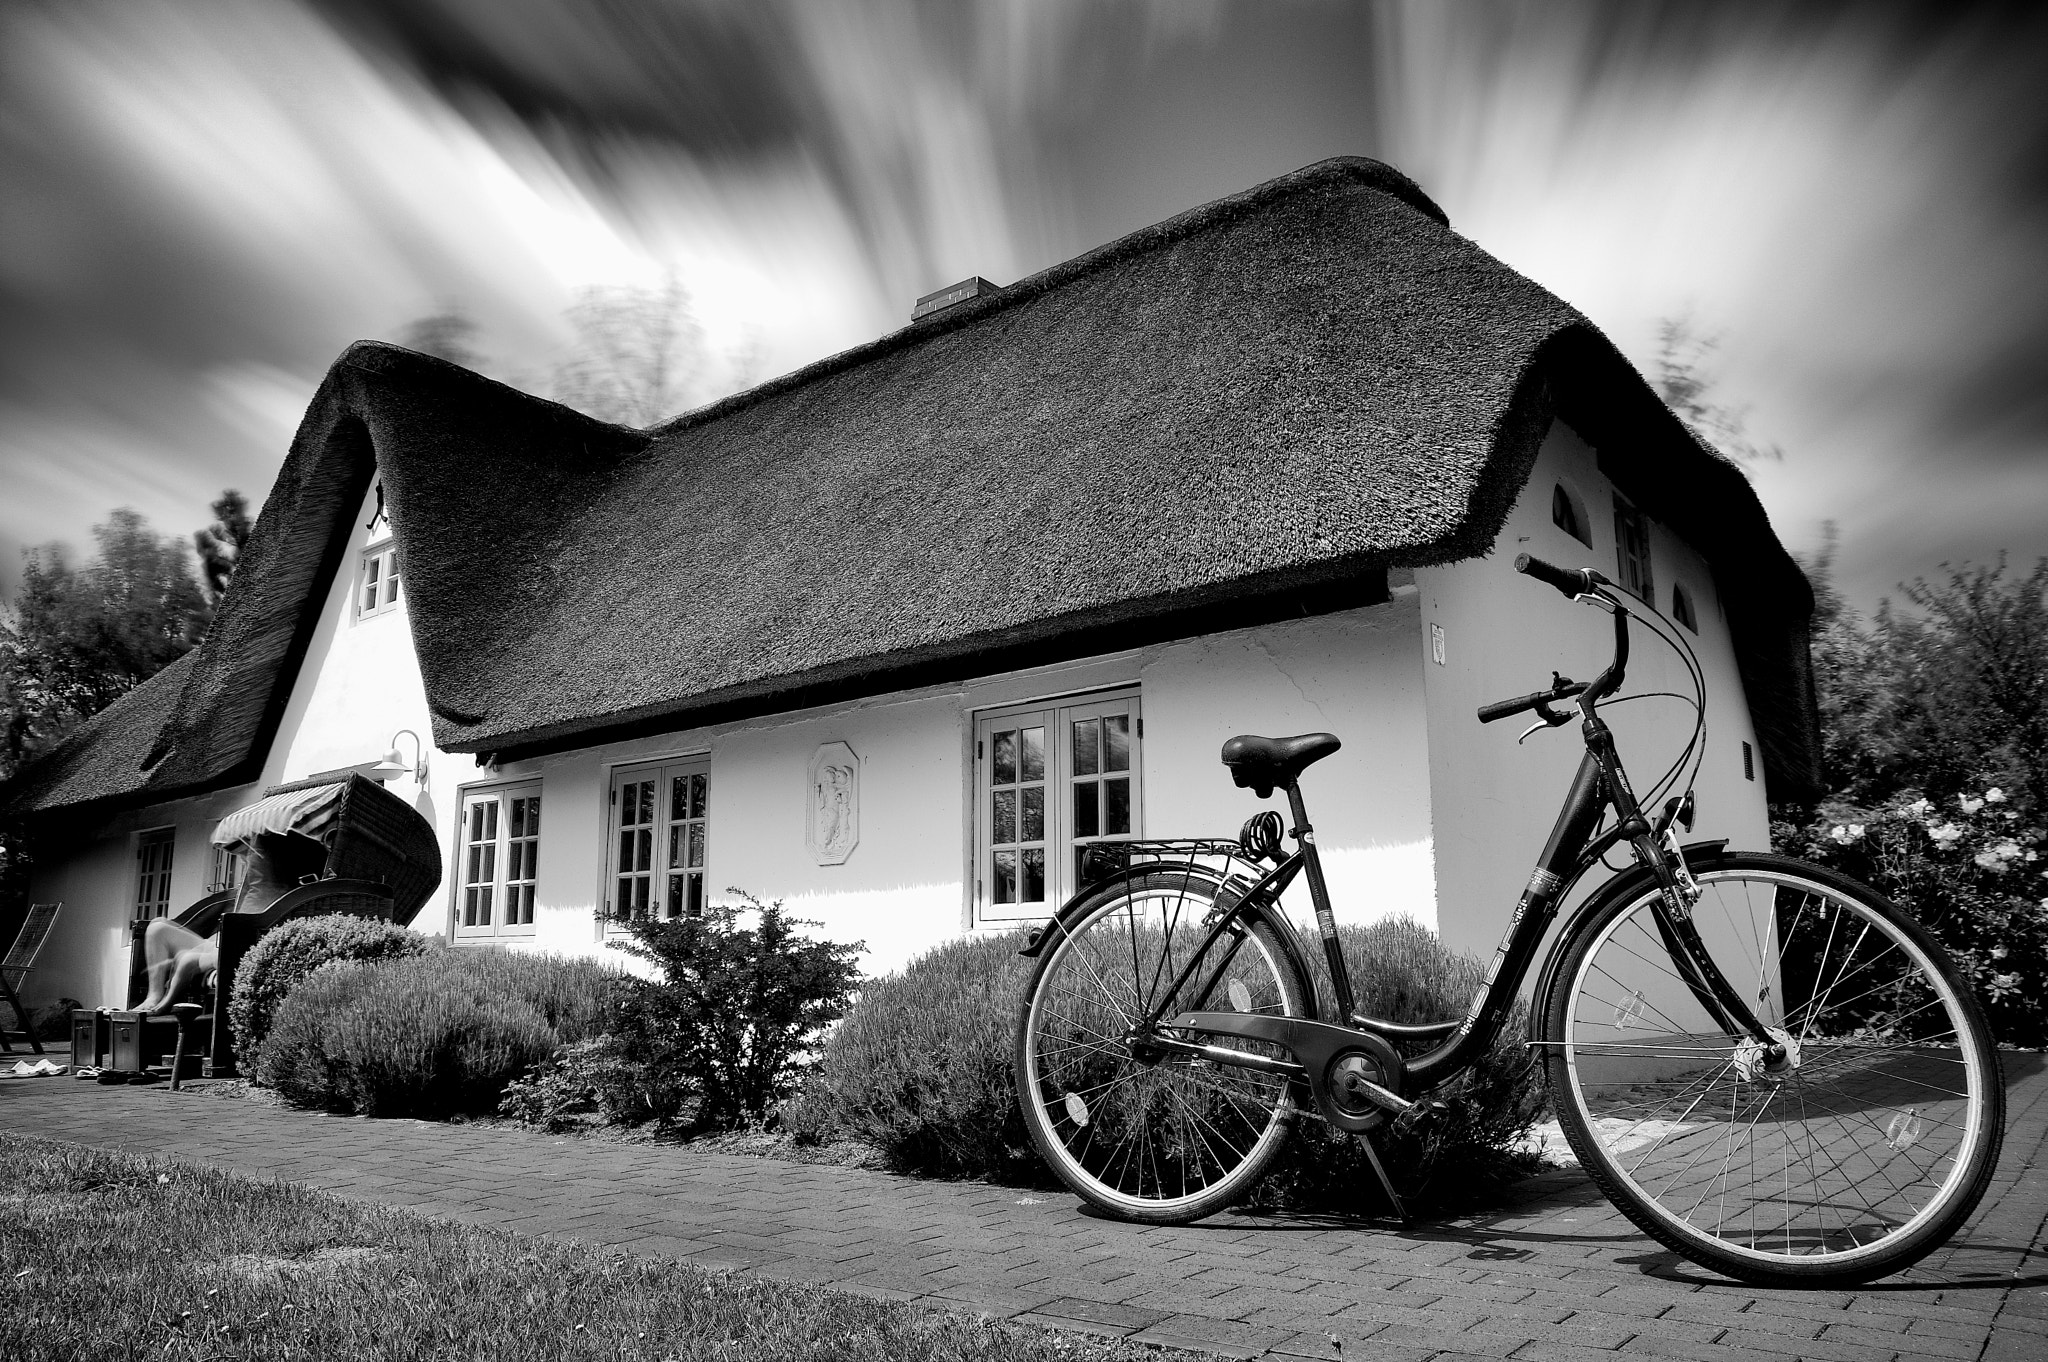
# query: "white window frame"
377 581
666 857
497 850
1057 718
152 873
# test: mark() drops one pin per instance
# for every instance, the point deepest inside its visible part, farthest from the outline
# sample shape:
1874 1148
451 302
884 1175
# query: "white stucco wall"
905 888
1494 803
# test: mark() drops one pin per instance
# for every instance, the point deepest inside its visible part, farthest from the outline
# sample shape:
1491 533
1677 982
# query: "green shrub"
292 950
420 1037
725 1032
1400 972
577 996
920 1068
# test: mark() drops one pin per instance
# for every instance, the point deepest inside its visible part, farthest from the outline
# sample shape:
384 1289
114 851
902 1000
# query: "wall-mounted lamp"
393 763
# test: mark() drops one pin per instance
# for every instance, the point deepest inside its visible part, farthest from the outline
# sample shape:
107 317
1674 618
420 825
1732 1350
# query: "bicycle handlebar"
1501 709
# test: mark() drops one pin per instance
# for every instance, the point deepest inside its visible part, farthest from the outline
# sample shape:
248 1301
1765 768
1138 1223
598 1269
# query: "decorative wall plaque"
832 829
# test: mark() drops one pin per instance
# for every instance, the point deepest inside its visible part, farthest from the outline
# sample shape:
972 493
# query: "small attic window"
377 583
1569 515
1682 608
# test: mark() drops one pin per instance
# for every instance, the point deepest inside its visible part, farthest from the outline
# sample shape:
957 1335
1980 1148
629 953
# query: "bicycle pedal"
1426 1113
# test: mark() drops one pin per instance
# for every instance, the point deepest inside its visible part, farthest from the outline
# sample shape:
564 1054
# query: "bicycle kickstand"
1386 1183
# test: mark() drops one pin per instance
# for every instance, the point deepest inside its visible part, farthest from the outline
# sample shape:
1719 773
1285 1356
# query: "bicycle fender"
1628 883
1057 926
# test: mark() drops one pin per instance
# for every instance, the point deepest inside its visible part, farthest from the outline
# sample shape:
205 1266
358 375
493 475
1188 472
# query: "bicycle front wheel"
1140 1130
1850 1155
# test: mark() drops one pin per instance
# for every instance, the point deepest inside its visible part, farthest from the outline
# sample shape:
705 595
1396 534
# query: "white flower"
1998 952
1919 808
2002 984
1994 795
1855 831
1972 805
1989 860
1945 834
2033 856
1840 835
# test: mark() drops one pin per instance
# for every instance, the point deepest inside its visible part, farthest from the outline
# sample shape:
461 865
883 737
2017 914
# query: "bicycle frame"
1572 850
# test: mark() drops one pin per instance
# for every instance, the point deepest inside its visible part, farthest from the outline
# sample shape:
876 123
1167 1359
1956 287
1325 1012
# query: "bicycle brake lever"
1550 719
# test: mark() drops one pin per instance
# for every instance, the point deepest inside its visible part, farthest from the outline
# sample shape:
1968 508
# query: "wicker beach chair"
382 860
21 956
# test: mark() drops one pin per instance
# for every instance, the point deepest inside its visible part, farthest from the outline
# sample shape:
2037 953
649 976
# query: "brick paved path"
1559 1276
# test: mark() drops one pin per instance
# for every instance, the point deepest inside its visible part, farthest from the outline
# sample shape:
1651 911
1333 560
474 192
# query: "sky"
203 203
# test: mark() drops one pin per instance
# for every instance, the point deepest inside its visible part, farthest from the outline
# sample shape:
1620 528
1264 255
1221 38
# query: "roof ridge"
1372 174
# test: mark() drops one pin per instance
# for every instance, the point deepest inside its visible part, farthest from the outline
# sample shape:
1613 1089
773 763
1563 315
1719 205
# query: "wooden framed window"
499 862
377 583
1050 781
1682 608
1632 551
1569 514
153 851
659 841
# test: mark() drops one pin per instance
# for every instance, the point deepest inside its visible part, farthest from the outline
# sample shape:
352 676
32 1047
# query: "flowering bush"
1974 870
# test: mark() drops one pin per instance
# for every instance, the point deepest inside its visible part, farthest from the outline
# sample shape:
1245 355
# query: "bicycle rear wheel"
1856 1155
1138 1131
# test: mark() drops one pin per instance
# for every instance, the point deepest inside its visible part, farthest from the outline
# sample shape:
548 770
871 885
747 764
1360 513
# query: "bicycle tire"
1862 1155
1159 1139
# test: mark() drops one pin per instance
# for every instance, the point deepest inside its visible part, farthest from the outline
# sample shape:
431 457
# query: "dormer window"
1682 608
1632 550
1569 515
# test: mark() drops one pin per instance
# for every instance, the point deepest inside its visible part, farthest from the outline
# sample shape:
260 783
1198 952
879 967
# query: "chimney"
950 295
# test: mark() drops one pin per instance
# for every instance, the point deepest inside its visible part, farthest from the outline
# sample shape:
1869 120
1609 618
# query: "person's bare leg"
190 966
162 943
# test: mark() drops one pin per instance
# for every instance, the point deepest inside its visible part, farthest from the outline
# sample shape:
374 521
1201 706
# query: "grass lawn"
111 1257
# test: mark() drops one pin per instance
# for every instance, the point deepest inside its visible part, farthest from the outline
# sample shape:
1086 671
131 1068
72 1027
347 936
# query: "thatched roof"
1252 409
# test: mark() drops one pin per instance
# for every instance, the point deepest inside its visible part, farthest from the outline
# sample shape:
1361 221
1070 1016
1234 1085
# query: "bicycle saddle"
1259 764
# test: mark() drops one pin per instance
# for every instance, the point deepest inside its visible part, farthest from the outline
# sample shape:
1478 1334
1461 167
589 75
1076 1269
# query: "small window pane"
1006 877
679 798
640 887
1116 746
696 844
1003 825
483 905
1085 816
1116 806
490 820
699 794
391 581
1034 876
695 903
490 870
1033 827
1086 743
643 846
1006 757
1033 754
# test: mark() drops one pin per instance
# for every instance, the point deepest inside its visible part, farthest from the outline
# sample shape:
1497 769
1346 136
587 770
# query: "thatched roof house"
1264 404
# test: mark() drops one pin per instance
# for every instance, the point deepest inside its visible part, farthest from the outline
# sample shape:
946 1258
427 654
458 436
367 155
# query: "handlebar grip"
1571 581
1501 709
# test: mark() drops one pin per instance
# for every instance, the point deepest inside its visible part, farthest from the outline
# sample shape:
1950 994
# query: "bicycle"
1765 1065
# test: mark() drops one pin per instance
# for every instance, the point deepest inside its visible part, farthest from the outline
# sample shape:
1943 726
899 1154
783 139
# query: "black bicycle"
1765 1065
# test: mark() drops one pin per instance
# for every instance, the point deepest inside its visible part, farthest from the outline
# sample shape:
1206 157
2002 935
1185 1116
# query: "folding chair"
20 956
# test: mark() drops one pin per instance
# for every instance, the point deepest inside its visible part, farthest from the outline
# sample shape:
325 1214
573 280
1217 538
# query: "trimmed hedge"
289 952
433 1036
921 1069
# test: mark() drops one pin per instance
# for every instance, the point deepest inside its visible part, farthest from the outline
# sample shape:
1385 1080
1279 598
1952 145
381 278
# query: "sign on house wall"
833 826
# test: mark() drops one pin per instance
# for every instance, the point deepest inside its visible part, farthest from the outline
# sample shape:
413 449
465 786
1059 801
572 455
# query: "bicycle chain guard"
1354 1077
